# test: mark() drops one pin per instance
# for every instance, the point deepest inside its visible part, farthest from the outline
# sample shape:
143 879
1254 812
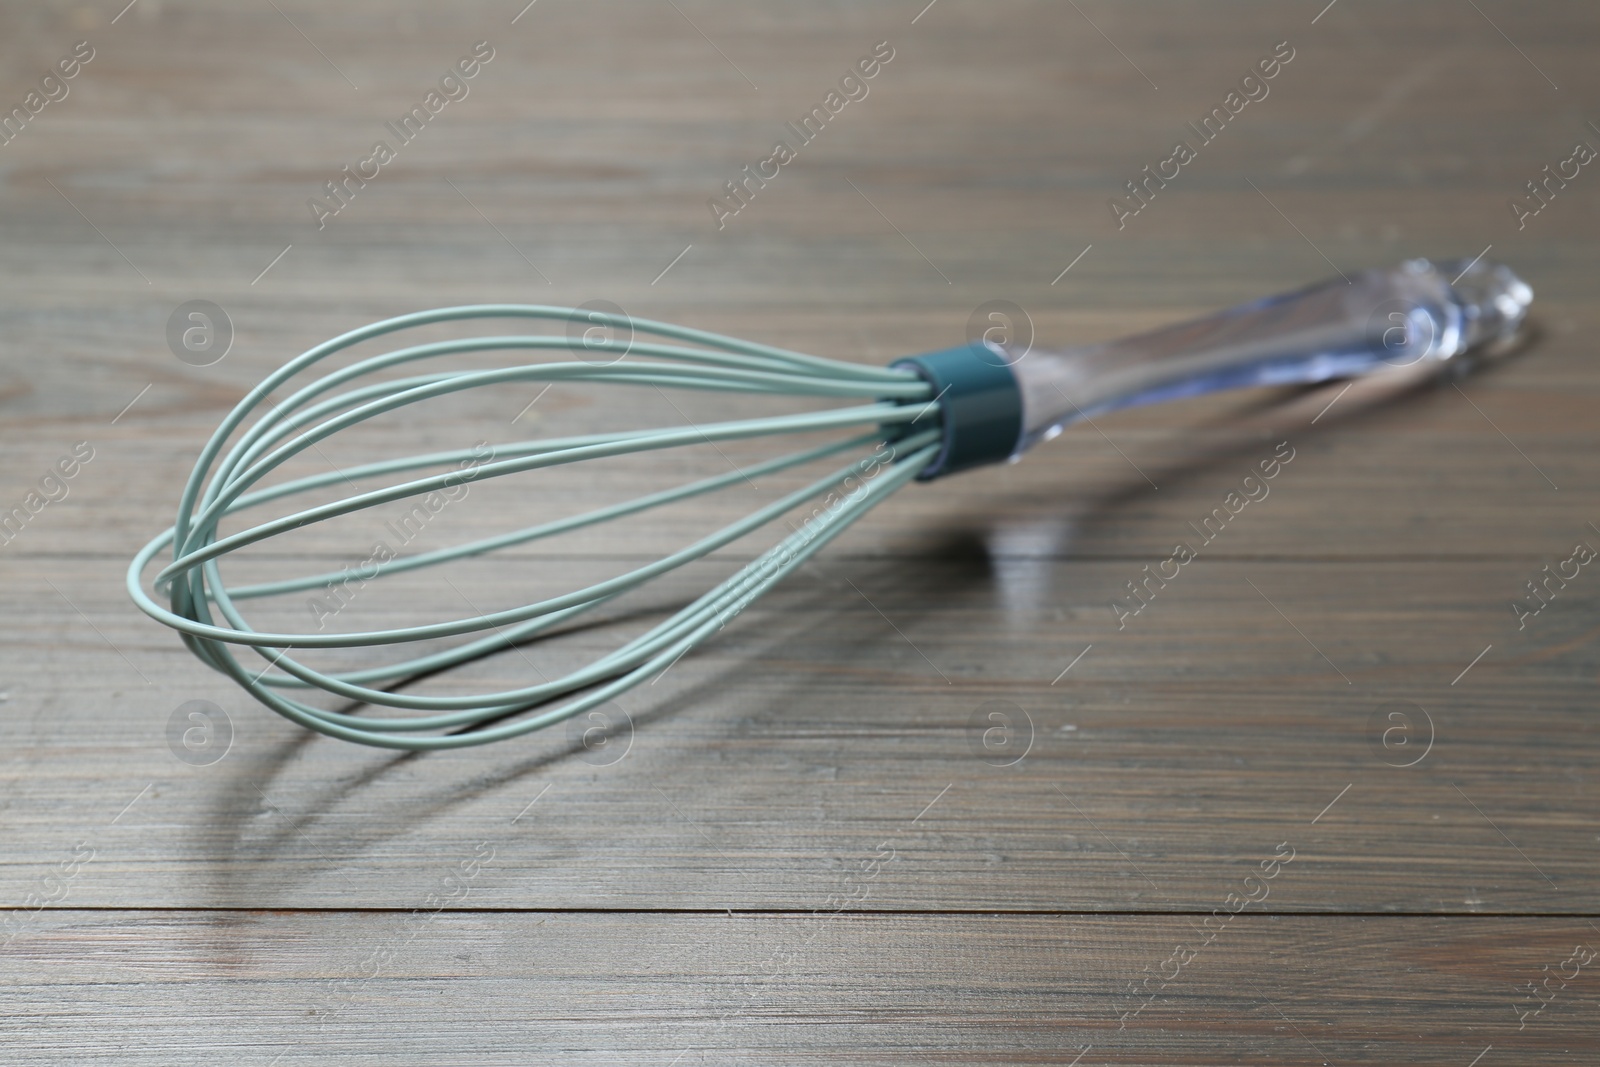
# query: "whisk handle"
1373 322
996 400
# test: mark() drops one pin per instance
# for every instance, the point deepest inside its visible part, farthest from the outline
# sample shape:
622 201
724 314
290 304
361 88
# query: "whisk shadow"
804 611
282 834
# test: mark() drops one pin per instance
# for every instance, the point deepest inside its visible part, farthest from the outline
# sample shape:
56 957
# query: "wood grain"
645 988
809 845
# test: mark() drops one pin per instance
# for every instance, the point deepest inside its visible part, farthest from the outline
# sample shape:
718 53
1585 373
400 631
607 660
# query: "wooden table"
809 849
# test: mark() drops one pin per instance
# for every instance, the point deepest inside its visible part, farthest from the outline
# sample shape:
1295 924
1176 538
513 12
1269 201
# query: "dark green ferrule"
980 406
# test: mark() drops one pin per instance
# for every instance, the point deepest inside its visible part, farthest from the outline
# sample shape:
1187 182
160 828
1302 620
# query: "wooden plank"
1353 491
417 987
828 716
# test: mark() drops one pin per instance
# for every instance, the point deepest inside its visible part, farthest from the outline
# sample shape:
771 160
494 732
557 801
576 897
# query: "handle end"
1494 300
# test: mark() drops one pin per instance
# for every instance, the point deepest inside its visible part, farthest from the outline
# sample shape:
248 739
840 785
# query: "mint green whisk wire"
898 399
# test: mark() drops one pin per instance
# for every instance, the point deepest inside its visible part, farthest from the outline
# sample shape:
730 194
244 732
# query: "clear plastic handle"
1377 320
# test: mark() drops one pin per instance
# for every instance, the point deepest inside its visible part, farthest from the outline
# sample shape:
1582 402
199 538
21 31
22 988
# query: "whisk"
921 418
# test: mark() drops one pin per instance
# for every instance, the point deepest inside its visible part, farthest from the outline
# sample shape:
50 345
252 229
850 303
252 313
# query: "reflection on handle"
1380 319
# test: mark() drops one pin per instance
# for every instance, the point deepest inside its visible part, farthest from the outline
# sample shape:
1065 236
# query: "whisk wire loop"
226 477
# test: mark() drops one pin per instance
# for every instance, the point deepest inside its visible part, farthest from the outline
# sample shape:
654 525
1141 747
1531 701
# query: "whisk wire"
316 411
